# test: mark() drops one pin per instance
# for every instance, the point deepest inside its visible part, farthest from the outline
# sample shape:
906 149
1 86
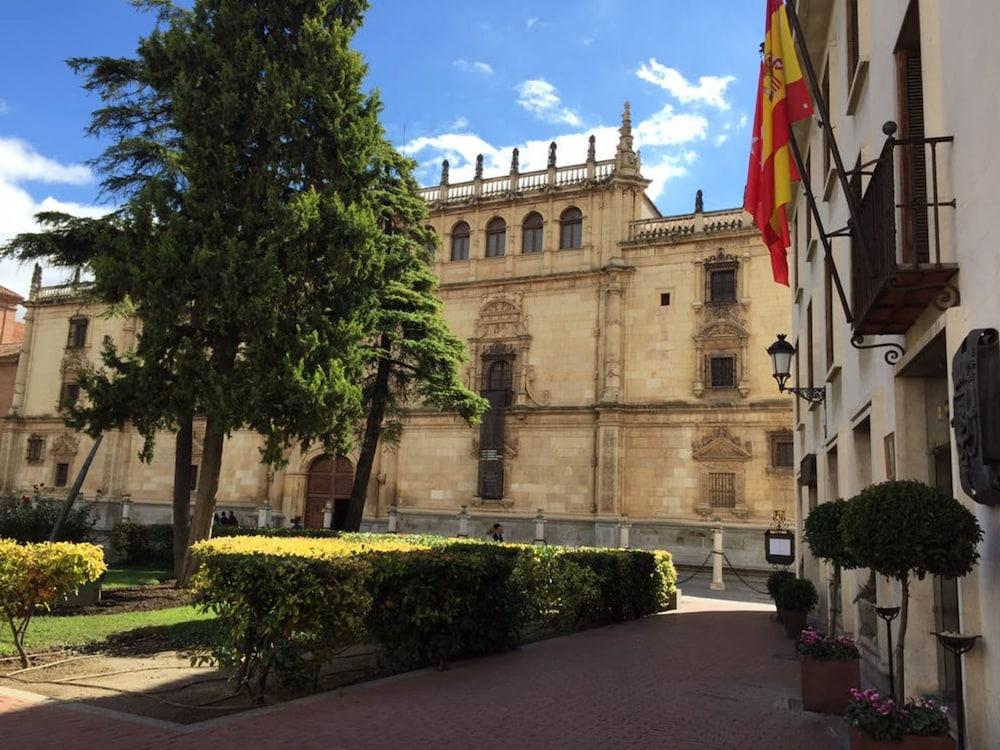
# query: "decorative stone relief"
65 446
721 445
502 322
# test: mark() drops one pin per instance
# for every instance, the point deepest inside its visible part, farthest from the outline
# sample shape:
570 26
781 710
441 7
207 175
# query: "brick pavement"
717 675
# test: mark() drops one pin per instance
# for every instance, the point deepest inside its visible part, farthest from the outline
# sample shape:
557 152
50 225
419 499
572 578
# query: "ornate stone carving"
65 446
552 155
721 445
609 471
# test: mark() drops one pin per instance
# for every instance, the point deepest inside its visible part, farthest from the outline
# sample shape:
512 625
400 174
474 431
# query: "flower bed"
879 722
287 605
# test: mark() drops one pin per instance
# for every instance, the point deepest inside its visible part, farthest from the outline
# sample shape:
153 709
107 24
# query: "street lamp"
781 353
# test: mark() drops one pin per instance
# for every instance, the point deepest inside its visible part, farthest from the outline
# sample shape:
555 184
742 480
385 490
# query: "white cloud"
540 97
660 172
474 66
744 120
459 123
669 128
720 139
710 90
532 22
19 163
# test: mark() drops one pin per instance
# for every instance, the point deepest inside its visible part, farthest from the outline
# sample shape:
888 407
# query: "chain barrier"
742 579
698 570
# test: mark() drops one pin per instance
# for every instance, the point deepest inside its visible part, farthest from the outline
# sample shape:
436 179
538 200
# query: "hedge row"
286 606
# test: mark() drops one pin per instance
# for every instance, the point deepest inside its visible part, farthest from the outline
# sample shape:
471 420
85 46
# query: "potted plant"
879 723
830 668
905 528
826 542
775 581
795 600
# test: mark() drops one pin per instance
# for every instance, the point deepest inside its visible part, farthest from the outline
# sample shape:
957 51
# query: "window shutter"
916 193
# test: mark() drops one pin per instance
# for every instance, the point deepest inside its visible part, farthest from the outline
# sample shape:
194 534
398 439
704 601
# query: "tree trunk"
904 610
835 601
208 485
369 444
182 491
74 491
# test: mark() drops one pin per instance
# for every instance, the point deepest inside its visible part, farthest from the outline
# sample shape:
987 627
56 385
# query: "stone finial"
36 280
479 167
626 161
592 148
699 202
552 155
515 166
444 172
76 275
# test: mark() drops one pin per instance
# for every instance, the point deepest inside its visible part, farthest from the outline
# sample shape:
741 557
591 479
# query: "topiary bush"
32 518
776 580
135 543
34 577
905 528
797 595
823 534
560 592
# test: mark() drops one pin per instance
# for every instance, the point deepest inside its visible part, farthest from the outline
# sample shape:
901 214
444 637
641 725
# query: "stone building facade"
897 400
622 353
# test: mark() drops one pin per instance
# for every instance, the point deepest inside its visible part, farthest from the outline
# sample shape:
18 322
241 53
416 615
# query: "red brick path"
715 676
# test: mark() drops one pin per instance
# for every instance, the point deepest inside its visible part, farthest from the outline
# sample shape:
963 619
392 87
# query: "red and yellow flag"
782 98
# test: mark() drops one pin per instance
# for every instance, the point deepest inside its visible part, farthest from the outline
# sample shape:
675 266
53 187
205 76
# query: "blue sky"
456 79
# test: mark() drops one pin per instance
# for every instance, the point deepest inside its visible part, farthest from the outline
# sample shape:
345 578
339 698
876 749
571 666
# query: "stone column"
613 289
717 583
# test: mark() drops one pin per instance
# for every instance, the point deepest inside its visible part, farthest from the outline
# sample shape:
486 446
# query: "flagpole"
814 210
824 113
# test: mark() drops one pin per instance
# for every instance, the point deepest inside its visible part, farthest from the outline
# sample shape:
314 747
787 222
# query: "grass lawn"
130 576
177 627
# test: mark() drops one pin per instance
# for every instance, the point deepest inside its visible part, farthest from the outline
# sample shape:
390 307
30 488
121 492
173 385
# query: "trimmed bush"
36 576
797 595
823 534
286 605
776 580
134 543
31 519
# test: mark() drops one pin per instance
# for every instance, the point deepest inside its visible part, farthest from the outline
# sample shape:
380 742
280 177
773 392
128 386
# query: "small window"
36 443
721 284
665 299
77 333
62 475
194 477
70 394
853 41
460 241
571 229
496 238
722 371
722 490
531 234
782 452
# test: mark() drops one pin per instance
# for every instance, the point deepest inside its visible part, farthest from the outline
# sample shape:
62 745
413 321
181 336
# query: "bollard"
717 583
539 527
463 522
328 515
393 519
623 529
126 507
263 516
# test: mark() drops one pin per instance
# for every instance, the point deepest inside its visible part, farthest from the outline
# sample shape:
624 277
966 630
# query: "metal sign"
779 547
975 372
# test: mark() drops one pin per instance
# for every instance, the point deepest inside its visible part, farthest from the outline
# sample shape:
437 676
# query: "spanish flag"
782 98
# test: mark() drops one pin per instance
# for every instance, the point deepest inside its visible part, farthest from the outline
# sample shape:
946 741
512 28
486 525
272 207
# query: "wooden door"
328 480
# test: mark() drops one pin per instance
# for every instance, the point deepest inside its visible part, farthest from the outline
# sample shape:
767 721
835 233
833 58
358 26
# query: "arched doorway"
329 479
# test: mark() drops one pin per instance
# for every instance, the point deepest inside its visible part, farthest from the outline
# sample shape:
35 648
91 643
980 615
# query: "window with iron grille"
721 284
721 371
722 490
62 475
782 452
36 443
77 333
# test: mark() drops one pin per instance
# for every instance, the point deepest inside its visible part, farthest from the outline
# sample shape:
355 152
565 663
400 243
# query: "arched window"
496 238
77 332
531 235
570 229
460 241
499 376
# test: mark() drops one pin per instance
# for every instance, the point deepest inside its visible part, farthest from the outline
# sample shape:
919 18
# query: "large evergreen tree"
250 163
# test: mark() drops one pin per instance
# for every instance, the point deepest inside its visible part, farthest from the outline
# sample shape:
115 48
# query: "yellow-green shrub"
36 576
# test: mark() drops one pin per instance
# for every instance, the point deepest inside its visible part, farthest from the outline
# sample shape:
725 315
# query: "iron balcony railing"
897 267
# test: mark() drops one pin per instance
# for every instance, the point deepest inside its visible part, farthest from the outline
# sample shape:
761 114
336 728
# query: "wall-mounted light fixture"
781 353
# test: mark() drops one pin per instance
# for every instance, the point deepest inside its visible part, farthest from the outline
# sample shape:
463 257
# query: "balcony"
896 266
517 184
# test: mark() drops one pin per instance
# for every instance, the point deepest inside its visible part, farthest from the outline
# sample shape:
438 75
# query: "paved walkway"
717 675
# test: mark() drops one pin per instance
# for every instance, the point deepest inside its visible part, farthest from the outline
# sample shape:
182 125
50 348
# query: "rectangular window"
70 394
721 490
828 309
35 445
665 299
890 456
722 284
495 242
853 41
77 333
810 380
532 240
913 197
570 235
782 452
722 371
62 475
194 477
460 248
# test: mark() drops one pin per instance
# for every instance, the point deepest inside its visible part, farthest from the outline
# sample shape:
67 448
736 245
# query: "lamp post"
958 644
889 614
781 353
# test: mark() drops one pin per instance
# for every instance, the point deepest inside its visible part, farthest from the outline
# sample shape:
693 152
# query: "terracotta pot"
794 622
861 741
826 685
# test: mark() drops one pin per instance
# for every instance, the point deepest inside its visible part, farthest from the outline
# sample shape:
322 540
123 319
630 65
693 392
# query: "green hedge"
30 519
423 600
151 544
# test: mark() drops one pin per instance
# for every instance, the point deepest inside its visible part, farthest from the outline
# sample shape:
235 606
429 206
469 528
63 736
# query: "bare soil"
139 599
